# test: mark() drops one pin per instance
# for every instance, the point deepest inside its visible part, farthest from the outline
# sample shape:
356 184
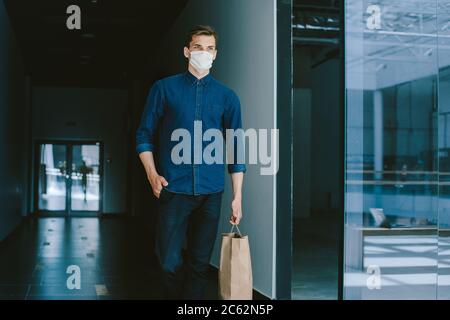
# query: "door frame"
284 180
284 117
69 147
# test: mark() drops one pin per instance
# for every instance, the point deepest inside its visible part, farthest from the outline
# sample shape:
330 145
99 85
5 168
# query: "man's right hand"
157 182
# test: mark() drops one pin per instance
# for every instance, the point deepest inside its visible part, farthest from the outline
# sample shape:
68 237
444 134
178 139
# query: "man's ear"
186 52
215 55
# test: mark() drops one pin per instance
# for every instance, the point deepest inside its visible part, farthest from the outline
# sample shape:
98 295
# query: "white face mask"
201 60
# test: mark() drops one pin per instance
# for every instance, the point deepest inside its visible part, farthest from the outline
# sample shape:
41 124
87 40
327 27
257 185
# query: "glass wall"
443 27
396 216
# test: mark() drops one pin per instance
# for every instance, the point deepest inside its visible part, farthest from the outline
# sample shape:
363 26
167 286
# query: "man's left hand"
236 211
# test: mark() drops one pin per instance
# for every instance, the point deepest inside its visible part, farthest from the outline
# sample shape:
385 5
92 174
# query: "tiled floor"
315 259
407 267
114 257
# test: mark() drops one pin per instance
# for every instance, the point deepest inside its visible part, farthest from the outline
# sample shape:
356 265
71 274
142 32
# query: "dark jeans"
186 222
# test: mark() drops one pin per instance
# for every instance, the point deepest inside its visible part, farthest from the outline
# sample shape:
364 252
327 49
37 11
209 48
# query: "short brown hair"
200 30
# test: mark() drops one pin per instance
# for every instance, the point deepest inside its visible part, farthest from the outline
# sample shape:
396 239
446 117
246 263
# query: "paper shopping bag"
235 270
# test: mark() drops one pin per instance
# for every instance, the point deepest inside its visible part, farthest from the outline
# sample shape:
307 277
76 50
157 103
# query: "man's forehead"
203 40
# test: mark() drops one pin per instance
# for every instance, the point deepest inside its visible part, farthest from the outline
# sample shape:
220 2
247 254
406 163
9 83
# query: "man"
189 194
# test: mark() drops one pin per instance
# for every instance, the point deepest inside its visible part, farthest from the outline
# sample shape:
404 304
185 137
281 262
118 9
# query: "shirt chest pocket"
213 111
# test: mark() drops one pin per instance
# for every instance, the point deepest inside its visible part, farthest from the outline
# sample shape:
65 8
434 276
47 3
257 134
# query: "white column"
378 133
378 145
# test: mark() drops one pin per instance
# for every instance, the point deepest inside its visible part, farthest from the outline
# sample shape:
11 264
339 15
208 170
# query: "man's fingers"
235 219
164 181
157 191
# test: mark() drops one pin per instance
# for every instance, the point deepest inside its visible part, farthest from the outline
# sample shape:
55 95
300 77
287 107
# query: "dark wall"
318 79
325 168
14 134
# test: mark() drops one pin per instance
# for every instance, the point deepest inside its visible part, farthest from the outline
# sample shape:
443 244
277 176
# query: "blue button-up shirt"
176 102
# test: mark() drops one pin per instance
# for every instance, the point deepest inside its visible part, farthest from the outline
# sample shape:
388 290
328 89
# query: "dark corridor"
90 206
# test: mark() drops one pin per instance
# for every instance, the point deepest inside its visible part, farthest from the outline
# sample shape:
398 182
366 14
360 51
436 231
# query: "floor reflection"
407 264
114 256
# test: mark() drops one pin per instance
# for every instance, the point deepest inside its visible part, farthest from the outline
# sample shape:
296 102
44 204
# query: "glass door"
69 178
85 178
443 26
392 150
52 178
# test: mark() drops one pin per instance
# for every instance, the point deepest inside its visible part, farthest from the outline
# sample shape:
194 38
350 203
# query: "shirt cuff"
142 147
233 168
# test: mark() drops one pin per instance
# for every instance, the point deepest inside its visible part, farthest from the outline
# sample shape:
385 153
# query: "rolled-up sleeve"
145 134
233 120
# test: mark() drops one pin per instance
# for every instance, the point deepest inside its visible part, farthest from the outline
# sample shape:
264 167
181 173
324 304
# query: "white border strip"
274 195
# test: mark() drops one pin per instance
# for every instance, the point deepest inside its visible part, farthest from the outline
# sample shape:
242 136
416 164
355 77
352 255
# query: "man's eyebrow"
198 44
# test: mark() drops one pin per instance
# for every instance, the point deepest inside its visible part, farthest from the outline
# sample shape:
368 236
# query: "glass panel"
85 190
52 177
391 208
444 149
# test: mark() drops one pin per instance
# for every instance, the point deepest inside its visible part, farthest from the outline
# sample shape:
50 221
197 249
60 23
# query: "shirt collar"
193 79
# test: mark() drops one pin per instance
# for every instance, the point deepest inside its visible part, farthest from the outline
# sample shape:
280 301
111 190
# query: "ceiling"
114 43
316 22
413 40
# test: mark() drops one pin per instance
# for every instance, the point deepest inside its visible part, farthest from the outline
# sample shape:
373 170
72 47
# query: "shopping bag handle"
235 226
